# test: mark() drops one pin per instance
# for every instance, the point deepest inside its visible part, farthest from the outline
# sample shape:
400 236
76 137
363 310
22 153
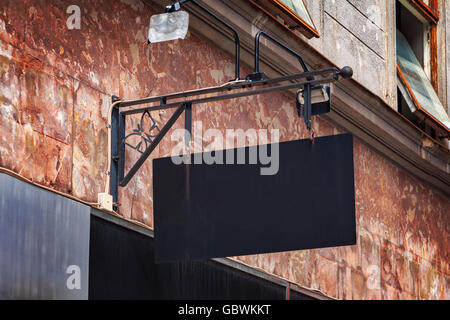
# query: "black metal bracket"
151 140
254 84
257 75
124 179
304 110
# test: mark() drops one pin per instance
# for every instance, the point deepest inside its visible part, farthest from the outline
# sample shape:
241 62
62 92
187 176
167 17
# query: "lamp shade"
168 26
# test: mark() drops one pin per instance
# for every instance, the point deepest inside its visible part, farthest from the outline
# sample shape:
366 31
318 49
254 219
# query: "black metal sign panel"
219 210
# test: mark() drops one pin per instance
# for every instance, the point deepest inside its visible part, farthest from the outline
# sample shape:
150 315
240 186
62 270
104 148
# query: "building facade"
61 61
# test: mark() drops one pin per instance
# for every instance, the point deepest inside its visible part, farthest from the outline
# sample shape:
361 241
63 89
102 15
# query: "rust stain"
52 129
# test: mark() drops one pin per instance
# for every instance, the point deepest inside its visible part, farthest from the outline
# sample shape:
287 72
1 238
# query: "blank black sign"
220 210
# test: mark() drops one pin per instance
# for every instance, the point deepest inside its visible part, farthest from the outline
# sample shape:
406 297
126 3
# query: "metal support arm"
153 145
188 99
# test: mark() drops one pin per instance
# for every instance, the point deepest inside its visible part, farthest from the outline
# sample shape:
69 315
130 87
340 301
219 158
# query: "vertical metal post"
187 141
115 140
308 107
121 148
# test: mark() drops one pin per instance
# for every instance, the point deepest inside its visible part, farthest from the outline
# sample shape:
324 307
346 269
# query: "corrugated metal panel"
122 266
41 235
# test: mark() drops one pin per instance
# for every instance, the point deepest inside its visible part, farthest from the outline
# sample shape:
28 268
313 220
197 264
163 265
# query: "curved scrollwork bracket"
145 137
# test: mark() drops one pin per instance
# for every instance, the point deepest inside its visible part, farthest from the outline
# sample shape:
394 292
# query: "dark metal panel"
41 235
122 266
105 228
231 210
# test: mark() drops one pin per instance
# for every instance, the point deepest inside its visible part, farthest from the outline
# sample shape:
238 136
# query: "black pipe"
232 95
177 6
230 87
183 106
257 42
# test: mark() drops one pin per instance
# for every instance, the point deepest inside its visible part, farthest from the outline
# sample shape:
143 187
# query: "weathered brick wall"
55 91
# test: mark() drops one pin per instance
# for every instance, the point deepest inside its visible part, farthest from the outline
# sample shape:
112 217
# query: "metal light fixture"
318 97
315 100
173 24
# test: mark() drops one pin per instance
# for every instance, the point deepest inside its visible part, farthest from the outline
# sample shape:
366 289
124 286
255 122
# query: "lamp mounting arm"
257 75
177 6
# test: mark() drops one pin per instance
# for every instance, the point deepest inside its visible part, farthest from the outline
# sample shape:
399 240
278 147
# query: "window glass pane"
298 6
418 81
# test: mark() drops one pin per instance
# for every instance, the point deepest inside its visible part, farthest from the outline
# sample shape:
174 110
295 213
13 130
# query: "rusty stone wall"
55 91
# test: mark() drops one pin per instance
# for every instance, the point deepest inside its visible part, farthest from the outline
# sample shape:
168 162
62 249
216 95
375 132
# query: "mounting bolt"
173 7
